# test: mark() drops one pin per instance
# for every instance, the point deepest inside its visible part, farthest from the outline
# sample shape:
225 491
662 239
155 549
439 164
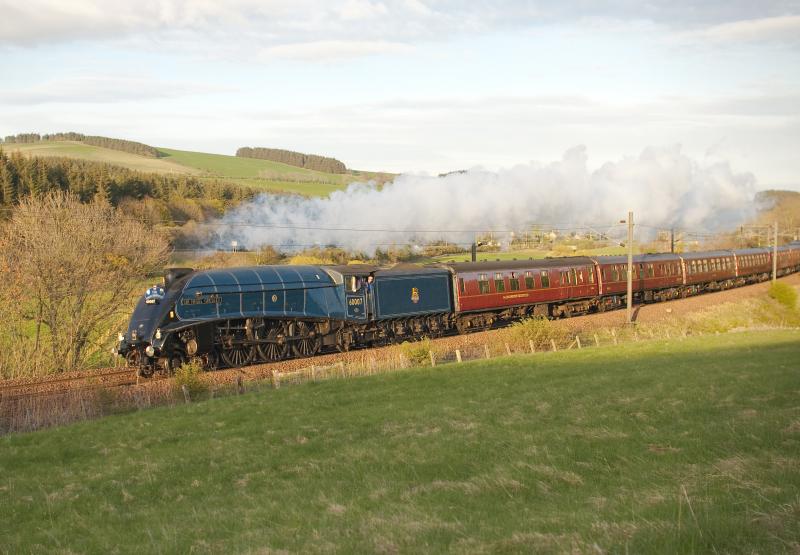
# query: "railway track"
98 380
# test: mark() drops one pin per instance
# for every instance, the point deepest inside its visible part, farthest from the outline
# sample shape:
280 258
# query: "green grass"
654 447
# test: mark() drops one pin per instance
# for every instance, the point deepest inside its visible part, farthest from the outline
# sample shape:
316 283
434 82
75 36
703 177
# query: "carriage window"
545 278
590 272
499 284
693 267
605 274
705 265
614 274
641 271
564 278
581 279
461 287
483 284
529 280
650 270
514 283
573 278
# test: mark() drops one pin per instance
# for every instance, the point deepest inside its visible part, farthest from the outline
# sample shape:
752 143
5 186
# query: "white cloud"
767 29
102 89
324 50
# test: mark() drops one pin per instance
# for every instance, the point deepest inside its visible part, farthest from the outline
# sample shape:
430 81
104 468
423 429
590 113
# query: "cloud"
263 24
106 89
767 29
324 50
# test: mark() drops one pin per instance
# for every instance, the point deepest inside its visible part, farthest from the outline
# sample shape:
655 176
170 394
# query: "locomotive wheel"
272 352
309 343
237 356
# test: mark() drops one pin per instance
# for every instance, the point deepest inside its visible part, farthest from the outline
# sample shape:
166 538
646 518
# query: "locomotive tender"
237 316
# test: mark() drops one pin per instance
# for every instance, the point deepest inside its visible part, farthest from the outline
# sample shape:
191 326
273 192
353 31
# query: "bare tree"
75 267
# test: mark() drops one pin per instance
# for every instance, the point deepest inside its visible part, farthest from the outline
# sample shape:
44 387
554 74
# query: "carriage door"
355 297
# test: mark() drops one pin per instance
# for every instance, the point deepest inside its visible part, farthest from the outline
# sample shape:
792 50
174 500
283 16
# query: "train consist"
234 317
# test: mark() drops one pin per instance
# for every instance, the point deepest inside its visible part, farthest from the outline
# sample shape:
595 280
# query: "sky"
416 86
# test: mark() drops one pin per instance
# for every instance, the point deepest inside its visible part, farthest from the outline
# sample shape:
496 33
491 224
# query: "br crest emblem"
414 295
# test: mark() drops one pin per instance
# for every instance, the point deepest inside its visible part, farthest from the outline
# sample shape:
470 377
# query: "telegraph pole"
672 240
775 252
630 268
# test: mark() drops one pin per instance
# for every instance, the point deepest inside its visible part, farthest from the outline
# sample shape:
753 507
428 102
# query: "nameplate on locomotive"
206 299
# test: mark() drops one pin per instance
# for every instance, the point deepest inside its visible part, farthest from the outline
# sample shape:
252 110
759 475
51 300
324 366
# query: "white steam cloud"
663 187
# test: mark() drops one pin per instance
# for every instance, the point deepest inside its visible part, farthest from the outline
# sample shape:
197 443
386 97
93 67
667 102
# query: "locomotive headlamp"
121 336
158 333
149 351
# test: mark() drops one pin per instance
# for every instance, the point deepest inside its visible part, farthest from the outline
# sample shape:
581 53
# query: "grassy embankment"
261 174
681 446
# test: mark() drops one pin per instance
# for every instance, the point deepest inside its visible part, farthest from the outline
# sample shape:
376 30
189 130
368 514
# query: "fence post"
533 349
186 393
614 335
458 355
553 344
578 341
486 350
596 341
433 358
372 365
508 350
276 380
239 384
313 373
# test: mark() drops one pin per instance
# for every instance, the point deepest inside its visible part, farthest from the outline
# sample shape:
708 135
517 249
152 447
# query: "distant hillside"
298 159
262 175
122 145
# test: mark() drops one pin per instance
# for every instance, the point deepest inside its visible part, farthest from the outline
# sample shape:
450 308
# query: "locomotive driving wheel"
236 354
308 343
275 348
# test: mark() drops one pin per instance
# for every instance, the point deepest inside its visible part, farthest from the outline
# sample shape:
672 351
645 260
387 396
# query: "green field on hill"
260 174
657 447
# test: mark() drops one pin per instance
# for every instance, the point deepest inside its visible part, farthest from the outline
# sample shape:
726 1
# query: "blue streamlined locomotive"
269 313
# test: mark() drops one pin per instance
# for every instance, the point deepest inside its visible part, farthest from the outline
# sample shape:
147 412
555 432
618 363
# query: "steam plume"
664 187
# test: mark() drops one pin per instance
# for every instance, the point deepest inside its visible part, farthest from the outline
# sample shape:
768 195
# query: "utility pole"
630 268
775 252
672 240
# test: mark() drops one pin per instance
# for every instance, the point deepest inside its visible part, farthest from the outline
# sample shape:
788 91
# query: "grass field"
659 447
259 174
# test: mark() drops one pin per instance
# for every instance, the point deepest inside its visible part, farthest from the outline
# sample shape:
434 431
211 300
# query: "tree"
79 265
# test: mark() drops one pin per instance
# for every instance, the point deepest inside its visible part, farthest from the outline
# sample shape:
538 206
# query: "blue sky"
415 86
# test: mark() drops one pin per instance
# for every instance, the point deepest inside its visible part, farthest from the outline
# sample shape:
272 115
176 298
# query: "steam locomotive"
234 317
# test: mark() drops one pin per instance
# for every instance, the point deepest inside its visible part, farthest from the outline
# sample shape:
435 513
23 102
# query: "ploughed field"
664 446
